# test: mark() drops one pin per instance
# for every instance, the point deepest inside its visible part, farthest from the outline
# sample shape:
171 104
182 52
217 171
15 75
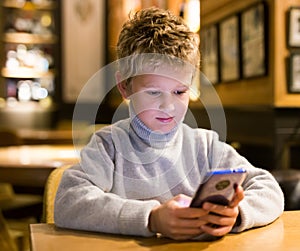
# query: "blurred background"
49 49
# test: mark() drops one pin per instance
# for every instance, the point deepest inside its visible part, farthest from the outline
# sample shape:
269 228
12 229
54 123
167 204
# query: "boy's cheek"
142 103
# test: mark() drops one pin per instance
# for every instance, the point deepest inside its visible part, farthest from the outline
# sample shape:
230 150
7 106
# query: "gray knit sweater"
126 170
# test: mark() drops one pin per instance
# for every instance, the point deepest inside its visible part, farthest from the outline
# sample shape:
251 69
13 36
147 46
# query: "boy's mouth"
165 120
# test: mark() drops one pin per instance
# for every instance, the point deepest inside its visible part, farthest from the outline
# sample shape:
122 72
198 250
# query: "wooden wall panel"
255 91
82 45
270 90
282 53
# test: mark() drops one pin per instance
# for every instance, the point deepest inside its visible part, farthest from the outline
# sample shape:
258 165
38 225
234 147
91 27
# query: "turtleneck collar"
149 136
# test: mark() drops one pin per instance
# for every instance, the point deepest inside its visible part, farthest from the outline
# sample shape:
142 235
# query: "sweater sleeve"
264 199
84 202
263 202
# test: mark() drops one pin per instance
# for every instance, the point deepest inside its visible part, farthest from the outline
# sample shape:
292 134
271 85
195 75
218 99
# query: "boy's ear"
122 86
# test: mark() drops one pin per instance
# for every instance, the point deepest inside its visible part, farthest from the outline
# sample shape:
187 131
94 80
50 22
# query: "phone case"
219 187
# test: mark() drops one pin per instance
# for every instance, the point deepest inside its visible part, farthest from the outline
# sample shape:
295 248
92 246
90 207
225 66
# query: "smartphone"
219 187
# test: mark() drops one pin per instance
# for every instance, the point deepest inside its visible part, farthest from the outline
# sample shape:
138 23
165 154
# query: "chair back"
6 241
51 187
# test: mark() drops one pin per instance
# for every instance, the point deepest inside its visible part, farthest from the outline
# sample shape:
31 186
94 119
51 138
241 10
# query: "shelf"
30 44
26 38
23 72
50 5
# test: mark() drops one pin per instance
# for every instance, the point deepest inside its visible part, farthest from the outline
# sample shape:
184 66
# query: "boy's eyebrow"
153 84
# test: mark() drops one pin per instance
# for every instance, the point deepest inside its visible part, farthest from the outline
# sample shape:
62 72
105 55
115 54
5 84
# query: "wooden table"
283 235
33 136
30 165
80 135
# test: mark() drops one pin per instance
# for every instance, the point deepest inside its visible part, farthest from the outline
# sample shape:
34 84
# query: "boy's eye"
180 92
153 92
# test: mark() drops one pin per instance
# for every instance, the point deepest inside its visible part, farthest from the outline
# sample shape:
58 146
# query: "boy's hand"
223 216
176 220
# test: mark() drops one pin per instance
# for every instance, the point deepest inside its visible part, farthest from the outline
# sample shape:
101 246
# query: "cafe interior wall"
255 108
87 33
262 92
271 89
244 100
262 114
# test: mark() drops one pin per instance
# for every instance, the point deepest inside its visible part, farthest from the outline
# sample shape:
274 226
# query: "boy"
137 176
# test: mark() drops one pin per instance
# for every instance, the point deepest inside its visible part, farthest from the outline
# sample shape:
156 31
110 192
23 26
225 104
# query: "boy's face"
160 102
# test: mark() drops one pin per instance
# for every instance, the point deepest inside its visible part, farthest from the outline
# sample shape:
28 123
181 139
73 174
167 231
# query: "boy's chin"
163 129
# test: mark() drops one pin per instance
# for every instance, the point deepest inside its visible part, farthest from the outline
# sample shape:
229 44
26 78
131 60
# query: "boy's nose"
167 103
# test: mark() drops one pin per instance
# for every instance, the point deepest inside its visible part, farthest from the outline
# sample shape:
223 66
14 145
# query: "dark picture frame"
229 42
294 74
293 23
210 52
253 41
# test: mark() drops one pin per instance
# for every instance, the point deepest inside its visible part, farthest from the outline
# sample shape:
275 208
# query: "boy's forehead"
155 80
180 74
157 64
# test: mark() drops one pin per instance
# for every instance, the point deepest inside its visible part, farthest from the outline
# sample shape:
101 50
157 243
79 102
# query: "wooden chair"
17 205
7 242
51 187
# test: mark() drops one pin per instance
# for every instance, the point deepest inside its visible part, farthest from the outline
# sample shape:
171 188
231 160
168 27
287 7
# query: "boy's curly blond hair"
158 32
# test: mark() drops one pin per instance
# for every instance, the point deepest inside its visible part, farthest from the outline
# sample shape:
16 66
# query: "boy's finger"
239 195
